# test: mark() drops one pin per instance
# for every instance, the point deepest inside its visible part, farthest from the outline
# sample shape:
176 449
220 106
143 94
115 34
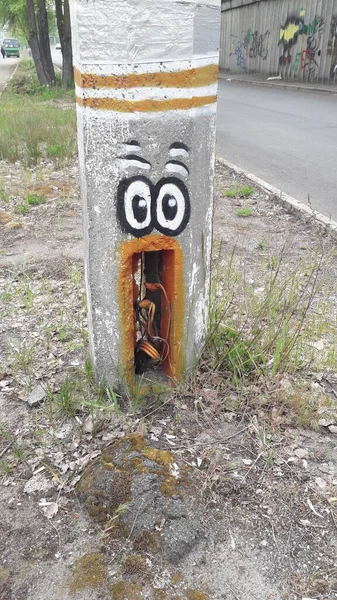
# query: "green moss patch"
88 572
4 575
123 590
195 595
135 564
107 483
146 541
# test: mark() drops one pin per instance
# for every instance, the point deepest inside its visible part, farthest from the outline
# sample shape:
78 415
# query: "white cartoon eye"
134 205
172 206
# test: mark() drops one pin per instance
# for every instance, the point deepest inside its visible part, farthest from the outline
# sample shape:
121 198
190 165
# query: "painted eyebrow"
176 166
136 161
178 149
179 146
136 157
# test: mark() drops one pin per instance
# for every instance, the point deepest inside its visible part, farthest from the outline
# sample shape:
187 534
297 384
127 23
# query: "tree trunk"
42 20
34 44
64 29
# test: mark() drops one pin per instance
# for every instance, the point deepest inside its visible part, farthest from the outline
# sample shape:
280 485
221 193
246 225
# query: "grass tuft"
268 330
245 191
246 211
268 336
242 192
34 199
21 209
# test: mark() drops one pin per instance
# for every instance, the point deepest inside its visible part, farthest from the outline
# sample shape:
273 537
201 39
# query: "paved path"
286 137
56 57
7 67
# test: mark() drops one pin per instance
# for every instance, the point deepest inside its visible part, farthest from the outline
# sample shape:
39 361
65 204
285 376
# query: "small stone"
319 345
326 422
36 396
37 483
333 428
301 452
88 425
64 431
26 473
320 482
327 468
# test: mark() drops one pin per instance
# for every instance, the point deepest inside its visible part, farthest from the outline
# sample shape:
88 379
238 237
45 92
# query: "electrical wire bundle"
151 349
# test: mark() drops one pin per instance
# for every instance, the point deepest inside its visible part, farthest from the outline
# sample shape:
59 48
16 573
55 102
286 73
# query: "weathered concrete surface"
146 101
153 491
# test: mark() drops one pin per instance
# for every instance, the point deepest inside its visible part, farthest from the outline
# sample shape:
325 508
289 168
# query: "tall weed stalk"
265 326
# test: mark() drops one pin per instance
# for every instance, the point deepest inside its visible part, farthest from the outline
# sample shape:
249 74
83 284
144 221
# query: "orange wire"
146 326
153 287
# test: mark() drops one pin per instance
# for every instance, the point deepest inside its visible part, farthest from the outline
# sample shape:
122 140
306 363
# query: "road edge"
285 85
9 78
288 202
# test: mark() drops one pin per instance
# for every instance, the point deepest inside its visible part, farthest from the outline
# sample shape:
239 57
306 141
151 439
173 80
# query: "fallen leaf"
313 509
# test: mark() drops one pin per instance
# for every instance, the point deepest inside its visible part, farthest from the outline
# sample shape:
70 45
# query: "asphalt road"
7 66
286 137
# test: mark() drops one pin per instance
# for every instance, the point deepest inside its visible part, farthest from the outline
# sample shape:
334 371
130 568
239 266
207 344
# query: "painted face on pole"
144 205
146 106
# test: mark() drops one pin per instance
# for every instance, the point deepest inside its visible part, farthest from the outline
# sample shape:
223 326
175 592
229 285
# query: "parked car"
58 47
12 47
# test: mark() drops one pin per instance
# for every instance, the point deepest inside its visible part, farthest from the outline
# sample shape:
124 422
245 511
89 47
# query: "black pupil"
139 211
170 207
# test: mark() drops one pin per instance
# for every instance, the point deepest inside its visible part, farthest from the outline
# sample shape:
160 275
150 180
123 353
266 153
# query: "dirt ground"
254 516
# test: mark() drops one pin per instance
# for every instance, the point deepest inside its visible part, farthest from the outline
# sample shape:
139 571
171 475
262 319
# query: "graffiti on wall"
259 45
306 55
332 46
239 51
250 44
165 206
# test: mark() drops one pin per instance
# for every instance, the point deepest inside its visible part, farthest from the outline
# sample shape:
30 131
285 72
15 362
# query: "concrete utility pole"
146 84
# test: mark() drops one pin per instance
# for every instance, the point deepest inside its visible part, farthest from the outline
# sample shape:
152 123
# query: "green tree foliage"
34 21
13 14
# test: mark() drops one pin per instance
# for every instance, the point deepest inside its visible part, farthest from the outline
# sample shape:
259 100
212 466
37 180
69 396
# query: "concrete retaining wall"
280 37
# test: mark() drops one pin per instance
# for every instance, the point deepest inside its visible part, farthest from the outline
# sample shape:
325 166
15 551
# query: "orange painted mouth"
172 316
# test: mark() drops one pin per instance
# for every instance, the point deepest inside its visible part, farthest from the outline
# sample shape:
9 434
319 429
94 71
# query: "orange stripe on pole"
189 78
131 106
